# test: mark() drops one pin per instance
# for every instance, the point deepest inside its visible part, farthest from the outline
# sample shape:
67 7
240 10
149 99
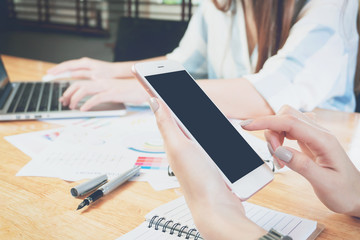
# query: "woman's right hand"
103 91
323 162
88 68
217 212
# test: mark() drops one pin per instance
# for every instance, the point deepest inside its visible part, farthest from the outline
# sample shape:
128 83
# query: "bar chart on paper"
149 148
152 163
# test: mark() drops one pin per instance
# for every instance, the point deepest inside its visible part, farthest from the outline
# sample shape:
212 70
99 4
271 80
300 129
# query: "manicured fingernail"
276 164
283 154
154 104
271 150
246 122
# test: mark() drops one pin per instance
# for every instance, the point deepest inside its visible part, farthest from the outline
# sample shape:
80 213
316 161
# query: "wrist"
242 228
122 69
226 218
252 231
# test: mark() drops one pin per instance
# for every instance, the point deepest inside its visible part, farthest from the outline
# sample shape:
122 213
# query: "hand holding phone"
198 117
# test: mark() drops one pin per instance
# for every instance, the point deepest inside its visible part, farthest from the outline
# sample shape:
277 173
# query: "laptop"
40 100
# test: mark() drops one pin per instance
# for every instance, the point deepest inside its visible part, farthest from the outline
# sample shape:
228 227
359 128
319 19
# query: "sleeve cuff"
277 91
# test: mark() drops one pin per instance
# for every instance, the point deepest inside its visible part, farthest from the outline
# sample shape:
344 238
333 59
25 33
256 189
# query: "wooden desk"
42 208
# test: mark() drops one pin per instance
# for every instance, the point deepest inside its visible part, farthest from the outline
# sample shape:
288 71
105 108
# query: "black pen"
110 186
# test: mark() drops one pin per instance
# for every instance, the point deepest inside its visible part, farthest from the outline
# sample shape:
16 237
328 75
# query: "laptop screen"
5 85
3 76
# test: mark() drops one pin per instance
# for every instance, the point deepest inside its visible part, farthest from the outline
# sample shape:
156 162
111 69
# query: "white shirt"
315 67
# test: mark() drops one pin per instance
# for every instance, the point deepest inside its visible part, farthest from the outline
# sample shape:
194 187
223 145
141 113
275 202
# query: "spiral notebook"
173 220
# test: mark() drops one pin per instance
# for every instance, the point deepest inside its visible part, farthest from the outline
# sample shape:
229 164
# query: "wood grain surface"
42 208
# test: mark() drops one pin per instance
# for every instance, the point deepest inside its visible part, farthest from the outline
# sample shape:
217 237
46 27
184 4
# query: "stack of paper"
85 148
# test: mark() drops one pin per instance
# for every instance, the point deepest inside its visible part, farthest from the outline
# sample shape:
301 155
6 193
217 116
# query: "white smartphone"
199 118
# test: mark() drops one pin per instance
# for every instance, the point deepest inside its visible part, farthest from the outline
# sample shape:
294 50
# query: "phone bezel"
245 186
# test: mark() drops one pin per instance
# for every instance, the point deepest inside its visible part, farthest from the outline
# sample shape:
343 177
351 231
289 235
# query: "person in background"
218 212
263 53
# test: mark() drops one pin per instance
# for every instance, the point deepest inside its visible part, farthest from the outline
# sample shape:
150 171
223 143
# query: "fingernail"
271 150
154 104
276 164
283 154
246 122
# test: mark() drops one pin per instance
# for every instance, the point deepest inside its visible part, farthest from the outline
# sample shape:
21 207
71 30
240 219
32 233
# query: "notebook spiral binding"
183 229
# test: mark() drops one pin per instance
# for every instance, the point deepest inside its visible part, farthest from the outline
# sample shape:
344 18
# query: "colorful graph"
146 143
154 163
52 136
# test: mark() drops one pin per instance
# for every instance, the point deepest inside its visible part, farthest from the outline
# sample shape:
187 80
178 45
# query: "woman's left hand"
217 212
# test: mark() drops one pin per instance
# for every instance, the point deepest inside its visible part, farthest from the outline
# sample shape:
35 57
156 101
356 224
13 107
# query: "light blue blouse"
315 67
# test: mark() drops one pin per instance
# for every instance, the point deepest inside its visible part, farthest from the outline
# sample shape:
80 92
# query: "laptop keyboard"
34 98
44 102
17 96
24 98
38 97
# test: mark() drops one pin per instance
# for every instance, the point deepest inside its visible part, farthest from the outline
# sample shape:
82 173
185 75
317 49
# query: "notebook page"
143 232
176 210
296 227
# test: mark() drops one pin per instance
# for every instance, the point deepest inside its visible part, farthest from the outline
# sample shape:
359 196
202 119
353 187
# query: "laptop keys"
24 98
38 97
34 98
45 98
16 98
55 98
63 89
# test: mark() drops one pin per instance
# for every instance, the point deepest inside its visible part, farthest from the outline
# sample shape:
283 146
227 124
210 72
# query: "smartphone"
199 118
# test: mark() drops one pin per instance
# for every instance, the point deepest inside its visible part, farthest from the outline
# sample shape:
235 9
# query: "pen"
88 186
110 186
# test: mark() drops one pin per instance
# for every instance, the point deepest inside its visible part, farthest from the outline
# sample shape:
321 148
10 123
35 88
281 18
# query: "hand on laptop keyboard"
103 91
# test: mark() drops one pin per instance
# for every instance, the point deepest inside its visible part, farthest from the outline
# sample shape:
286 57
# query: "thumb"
299 162
169 129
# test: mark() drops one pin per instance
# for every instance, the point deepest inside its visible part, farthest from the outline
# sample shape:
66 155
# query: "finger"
309 117
65 98
276 139
71 65
96 100
278 163
287 110
299 162
77 96
316 138
304 148
81 74
169 129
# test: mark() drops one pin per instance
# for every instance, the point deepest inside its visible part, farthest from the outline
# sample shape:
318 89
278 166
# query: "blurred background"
111 30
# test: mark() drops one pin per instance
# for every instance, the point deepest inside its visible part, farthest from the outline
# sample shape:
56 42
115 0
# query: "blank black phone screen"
216 135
